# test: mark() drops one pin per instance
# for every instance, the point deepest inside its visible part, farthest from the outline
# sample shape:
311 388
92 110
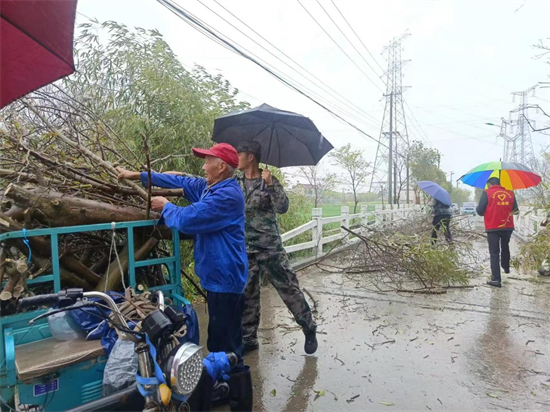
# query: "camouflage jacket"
261 207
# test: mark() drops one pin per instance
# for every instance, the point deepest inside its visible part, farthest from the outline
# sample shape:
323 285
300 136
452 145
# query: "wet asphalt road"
466 350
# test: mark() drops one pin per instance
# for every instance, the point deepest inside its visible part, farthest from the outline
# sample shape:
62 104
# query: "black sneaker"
311 343
250 347
494 283
507 271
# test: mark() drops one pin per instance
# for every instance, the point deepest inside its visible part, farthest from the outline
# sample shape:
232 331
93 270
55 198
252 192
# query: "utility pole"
391 165
390 157
518 147
408 179
452 173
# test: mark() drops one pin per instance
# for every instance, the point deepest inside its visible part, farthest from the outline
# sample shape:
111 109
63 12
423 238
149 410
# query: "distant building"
304 189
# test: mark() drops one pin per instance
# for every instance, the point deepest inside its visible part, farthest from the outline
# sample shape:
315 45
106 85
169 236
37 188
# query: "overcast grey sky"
466 59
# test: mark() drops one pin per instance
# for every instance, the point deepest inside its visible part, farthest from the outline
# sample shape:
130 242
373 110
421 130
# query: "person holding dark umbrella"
266 254
278 138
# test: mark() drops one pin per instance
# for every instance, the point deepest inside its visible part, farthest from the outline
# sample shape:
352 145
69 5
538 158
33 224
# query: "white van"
468 208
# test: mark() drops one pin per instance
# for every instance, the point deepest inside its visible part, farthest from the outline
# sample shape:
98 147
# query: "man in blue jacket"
216 220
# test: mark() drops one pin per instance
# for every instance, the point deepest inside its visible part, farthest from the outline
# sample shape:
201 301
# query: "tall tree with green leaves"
133 79
459 196
424 165
356 169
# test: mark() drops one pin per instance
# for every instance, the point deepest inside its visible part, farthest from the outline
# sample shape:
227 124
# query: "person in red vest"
498 207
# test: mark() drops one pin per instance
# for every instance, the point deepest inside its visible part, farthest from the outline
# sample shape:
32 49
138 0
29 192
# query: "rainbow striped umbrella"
512 176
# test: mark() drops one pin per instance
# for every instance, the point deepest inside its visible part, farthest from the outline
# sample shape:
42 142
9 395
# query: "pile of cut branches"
57 168
60 147
401 257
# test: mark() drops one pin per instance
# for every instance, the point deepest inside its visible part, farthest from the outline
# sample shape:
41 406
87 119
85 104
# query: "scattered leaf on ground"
387 403
274 392
492 395
318 394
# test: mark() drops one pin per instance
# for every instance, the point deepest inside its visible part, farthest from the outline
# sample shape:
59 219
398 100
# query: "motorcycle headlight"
185 368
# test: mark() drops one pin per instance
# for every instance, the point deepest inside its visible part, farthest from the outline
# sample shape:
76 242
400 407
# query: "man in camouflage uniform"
266 255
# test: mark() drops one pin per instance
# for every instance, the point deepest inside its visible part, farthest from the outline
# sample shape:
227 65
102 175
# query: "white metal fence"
528 222
321 236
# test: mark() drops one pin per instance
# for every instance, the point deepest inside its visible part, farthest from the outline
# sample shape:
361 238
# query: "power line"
282 73
326 101
461 134
350 105
295 81
295 62
180 12
356 35
417 122
349 41
336 43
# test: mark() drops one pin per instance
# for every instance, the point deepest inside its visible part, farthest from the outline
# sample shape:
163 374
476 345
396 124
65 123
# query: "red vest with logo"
500 207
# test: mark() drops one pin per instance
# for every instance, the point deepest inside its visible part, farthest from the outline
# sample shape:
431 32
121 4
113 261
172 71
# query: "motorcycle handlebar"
39 300
70 296
63 298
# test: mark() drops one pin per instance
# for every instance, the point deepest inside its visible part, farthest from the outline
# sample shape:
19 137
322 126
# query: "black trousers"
499 250
438 222
225 312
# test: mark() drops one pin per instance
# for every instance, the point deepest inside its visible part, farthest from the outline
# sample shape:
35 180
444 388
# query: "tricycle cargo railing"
15 329
172 262
321 236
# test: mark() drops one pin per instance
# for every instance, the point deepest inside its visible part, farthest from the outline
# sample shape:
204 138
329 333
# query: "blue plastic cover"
192 323
90 320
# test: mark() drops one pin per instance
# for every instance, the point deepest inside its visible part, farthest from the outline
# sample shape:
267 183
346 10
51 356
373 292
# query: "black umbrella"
287 139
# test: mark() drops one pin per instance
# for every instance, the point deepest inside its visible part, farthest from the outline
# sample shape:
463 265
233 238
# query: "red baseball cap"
223 151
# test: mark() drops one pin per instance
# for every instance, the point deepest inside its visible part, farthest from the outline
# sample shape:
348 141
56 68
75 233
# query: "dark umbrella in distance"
287 138
36 45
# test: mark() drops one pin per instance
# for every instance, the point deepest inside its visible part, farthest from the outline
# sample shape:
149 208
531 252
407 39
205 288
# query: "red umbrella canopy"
36 45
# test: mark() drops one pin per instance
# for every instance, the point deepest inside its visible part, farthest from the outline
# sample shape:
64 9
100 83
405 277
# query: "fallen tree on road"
402 257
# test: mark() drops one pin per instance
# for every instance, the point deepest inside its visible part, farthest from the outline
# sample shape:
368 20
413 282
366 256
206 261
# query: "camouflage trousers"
276 266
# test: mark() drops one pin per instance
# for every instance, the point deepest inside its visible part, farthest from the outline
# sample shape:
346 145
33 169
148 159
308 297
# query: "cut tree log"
15 212
14 276
113 277
57 209
3 255
19 286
